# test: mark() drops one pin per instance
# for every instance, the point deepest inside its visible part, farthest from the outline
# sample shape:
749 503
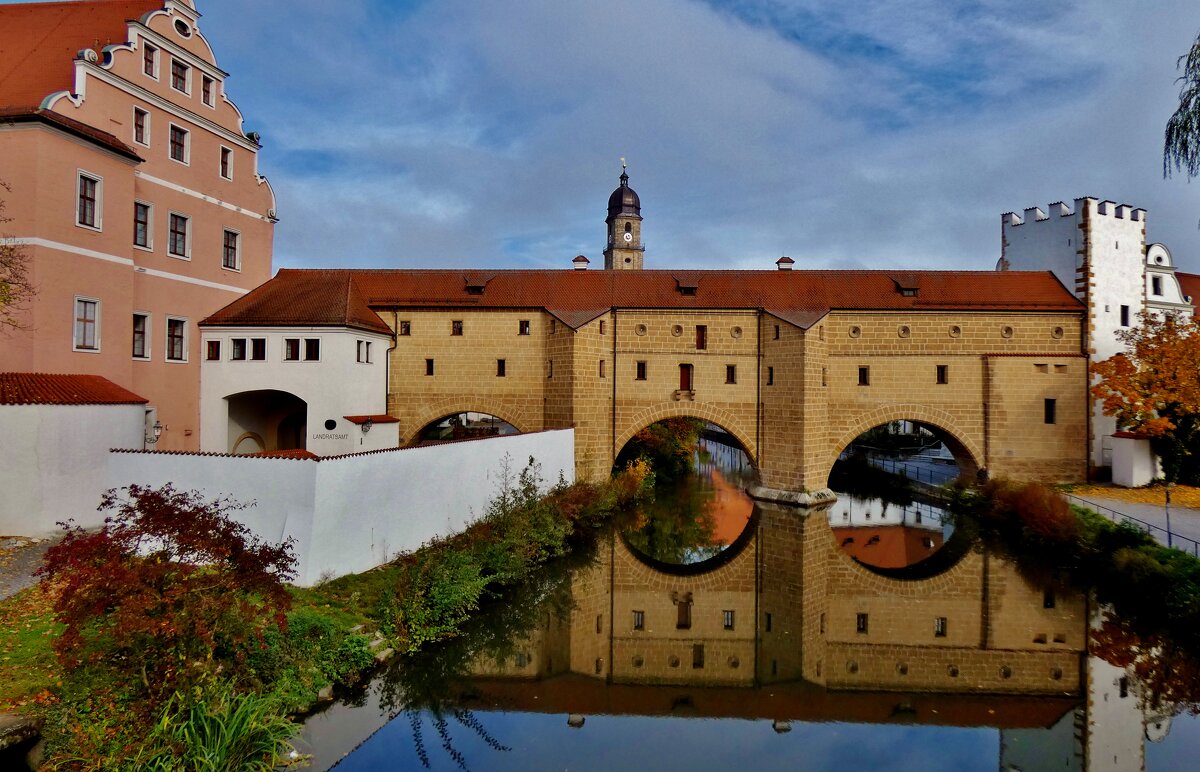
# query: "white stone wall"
351 514
1160 273
53 462
335 386
1133 462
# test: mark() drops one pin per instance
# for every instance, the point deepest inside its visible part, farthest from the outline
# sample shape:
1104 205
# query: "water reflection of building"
885 534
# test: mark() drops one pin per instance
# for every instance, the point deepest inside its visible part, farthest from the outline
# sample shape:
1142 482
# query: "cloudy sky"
865 134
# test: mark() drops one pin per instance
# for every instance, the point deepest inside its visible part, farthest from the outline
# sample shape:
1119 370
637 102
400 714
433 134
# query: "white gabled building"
309 375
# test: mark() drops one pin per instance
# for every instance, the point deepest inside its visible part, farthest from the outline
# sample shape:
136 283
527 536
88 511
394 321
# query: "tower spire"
624 221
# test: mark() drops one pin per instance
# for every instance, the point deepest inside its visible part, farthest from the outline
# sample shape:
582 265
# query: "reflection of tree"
1167 674
428 683
678 526
668 445
856 476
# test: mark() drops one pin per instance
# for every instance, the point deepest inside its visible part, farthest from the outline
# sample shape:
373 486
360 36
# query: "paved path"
1184 521
19 558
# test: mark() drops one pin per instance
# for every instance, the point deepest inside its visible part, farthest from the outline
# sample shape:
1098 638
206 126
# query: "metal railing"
931 475
1160 534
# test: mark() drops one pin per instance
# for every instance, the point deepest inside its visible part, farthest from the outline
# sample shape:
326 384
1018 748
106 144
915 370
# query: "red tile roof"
1190 284
375 419
55 389
39 42
319 297
69 125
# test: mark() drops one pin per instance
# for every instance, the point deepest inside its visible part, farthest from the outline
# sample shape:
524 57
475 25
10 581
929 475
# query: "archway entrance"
266 420
466 425
700 513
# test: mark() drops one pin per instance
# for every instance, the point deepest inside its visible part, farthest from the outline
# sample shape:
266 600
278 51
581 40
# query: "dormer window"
475 285
909 286
686 286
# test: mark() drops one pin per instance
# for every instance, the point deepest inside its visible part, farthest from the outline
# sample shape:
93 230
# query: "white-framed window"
291 349
179 243
141 126
87 324
297 349
176 339
90 201
231 253
150 60
212 350
208 89
181 144
181 76
237 349
1156 286
143 225
258 349
226 170
364 351
312 349
141 335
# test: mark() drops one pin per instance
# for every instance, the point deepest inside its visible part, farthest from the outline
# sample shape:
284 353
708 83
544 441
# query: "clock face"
628 237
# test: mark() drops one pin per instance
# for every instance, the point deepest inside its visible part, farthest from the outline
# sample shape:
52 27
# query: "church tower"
624 251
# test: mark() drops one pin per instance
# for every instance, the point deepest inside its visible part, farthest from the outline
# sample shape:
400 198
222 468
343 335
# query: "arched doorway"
266 420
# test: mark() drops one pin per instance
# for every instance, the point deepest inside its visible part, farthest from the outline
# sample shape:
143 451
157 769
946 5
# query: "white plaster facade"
243 400
1163 293
53 462
1133 462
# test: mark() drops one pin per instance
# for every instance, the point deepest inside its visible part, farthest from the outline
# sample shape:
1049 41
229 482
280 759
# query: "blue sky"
865 134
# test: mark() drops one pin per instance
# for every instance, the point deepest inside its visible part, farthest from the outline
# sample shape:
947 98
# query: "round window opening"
736 332
1006 331
855 331
677 330
638 661
902 668
952 671
1005 671
640 329
904 331
1056 674
330 425
851 667
673 661
1056 333
629 260
182 28
734 662
955 331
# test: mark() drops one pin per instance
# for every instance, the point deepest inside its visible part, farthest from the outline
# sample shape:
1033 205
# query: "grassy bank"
227 710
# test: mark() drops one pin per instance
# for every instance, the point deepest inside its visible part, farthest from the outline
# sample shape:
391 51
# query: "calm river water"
709 632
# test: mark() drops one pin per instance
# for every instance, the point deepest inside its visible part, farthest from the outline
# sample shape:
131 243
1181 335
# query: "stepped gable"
39 42
326 298
306 297
63 389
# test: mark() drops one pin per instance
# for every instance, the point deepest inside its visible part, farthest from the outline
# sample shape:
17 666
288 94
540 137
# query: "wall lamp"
367 424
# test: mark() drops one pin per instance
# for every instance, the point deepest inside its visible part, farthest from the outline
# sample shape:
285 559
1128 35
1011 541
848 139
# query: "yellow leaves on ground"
1181 495
28 667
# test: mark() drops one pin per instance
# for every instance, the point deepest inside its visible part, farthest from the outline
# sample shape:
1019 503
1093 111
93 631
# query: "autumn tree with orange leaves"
1153 388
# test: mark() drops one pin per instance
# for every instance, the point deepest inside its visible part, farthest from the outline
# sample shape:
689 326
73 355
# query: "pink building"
135 194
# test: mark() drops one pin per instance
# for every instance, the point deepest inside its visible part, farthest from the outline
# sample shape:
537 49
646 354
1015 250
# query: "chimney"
580 263
785 263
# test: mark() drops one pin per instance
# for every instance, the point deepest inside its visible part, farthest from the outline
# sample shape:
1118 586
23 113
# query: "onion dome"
624 201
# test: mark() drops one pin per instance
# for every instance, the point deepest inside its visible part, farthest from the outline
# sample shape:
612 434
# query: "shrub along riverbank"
155 646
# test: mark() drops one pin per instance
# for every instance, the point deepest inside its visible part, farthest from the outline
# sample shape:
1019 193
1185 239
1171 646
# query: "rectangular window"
697 655
860 624
601 326
939 627
549 368
601 368
777 332
180 76
1049 411
770 376
312 349
942 374
149 60
1048 598
177 245
683 619
176 340
553 326
824 376
599 623
141 225
141 126
727 618
141 324
501 368
237 349
291 349
212 350
89 198
685 377
405 327
258 349
523 327
429 367
364 351
1124 316
767 622
229 253
640 372
87 333
206 90
1156 285
227 163
731 373
864 376
639 620
456 328
179 144
701 337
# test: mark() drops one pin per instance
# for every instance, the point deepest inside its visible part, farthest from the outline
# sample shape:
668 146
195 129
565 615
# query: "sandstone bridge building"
794 364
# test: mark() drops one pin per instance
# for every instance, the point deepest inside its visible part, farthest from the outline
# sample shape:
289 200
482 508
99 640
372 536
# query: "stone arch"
436 410
278 419
254 437
960 443
700 410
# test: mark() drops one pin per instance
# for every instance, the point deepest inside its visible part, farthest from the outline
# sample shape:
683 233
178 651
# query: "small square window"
456 327
405 327
141 326
312 349
864 376
939 627
639 620
212 350
258 349
523 327
640 372
176 340
291 349
237 349
1049 411
141 126
364 351
429 367
501 368
942 374
860 624
731 373
727 619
